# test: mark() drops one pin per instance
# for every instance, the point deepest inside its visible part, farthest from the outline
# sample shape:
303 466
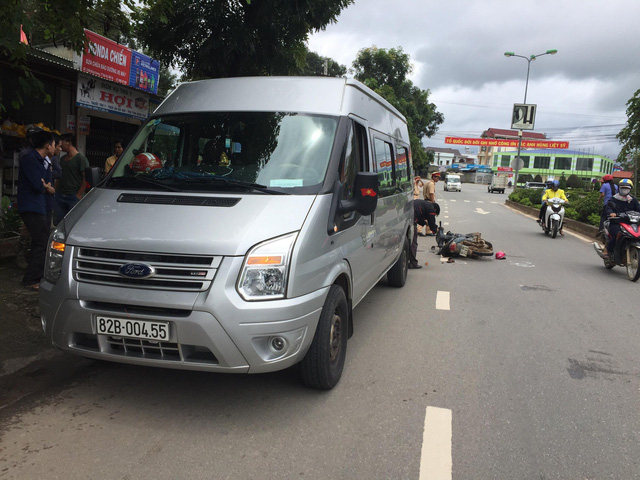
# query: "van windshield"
256 152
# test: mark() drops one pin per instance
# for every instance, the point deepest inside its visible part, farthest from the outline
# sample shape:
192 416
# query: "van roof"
319 95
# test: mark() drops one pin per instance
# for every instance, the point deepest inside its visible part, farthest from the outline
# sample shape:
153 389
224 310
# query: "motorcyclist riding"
621 202
554 192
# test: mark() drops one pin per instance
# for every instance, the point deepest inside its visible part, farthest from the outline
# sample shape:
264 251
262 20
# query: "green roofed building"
550 163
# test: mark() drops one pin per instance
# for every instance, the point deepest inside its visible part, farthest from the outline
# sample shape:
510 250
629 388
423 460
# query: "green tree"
314 66
629 136
225 38
574 181
49 22
168 80
563 181
524 178
385 72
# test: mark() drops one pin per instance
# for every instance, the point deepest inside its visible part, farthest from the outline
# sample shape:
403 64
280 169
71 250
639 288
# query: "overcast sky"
457 50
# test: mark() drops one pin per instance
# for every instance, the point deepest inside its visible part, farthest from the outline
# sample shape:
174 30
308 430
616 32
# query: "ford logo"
136 270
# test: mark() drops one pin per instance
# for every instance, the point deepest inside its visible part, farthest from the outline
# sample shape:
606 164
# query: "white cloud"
457 50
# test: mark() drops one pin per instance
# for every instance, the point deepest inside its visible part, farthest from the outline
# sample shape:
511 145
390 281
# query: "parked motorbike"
553 216
470 245
627 247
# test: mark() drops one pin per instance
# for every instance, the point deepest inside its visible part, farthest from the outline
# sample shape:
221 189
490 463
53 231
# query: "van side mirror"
365 195
92 176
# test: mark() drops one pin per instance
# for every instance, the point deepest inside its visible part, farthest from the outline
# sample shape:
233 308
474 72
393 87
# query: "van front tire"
397 275
323 364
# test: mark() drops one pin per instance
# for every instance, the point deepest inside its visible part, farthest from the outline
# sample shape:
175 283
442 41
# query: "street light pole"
526 87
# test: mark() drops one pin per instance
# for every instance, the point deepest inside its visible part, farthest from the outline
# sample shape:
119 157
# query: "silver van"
237 232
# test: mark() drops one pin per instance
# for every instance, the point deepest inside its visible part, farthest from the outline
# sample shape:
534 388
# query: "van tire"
322 366
397 275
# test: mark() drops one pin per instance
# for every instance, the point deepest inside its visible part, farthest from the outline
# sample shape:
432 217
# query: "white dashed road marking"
436 462
442 300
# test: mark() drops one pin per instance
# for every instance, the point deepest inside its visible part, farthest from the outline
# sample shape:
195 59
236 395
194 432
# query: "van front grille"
170 271
132 347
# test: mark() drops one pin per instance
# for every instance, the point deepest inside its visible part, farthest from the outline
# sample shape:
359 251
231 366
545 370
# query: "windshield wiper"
144 180
237 183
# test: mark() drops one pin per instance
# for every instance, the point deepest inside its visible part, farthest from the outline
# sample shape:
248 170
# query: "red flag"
23 36
368 192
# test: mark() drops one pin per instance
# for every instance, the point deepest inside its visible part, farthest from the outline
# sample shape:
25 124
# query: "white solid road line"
442 300
436 462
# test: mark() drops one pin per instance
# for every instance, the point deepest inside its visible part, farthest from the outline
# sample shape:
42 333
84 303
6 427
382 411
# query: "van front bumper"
214 330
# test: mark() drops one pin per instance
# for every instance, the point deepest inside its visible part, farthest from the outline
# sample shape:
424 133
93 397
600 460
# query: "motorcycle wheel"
633 272
554 228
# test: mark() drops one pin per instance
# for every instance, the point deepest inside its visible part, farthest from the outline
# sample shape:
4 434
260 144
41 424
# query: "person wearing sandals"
32 188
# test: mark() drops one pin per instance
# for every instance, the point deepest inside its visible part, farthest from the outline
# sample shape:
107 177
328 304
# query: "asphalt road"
524 368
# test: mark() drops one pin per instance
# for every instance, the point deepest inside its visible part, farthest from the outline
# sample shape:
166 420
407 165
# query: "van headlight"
265 269
55 254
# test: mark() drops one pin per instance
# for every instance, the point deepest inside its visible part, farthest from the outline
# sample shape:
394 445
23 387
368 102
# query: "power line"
498 106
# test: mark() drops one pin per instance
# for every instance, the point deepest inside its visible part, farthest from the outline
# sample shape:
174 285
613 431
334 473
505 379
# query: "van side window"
384 166
349 165
403 170
354 160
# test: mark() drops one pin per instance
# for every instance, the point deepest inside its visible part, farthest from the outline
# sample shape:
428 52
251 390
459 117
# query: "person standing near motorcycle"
424 213
554 192
608 190
418 184
621 202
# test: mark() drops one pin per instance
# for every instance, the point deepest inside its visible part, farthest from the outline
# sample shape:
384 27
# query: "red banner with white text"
494 142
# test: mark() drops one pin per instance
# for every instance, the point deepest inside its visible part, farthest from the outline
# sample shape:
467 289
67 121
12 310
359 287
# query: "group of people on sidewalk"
48 188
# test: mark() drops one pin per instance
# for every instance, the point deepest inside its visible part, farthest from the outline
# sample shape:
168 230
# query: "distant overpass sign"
495 142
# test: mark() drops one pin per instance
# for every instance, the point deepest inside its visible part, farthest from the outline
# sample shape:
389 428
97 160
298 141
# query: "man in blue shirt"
32 188
608 190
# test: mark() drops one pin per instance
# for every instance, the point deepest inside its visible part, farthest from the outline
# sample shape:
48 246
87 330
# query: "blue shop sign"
145 72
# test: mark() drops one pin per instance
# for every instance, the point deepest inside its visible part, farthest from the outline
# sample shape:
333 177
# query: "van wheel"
397 276
322 366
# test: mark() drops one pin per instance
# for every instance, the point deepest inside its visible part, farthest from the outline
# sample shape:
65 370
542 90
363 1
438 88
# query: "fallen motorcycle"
626 252
469 245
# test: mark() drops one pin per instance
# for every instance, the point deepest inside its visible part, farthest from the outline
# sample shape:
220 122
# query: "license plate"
464 251
126 327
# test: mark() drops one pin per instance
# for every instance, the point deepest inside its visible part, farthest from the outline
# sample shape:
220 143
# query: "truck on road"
498 184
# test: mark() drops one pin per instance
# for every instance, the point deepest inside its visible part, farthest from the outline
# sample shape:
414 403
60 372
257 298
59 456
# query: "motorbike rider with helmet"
554 192
621 202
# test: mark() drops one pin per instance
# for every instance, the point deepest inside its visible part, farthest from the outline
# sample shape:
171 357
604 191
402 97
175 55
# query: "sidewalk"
21 337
